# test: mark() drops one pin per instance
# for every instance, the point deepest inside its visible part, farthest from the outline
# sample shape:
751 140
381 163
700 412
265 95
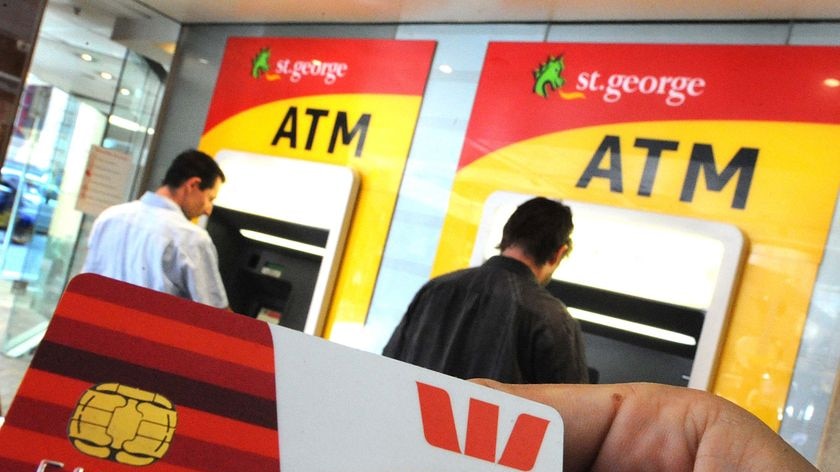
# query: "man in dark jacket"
498 321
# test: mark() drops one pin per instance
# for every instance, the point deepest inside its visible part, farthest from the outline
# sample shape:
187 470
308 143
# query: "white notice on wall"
107 180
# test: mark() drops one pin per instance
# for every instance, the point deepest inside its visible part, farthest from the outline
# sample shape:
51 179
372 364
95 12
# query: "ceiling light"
86 57
106 75
168 48
832 82
124 91
127 124
445 68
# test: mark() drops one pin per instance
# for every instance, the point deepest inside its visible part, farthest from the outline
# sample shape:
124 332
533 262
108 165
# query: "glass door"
83 89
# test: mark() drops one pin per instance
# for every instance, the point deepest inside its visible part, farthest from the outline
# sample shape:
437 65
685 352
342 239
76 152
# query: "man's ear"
558 255
193 182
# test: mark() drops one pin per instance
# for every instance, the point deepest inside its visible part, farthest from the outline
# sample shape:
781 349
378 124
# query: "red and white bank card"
128 379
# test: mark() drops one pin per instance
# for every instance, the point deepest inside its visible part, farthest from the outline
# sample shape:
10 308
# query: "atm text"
702 159
341 129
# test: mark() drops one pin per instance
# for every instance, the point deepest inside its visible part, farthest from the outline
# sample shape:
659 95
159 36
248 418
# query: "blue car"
34 212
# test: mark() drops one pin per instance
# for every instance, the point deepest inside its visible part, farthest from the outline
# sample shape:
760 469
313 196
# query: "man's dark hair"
193 163
539 227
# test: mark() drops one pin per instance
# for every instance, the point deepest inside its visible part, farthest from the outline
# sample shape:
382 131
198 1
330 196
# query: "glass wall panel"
83 89
19 21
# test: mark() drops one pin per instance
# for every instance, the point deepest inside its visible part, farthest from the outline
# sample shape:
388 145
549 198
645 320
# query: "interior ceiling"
105 28
393 11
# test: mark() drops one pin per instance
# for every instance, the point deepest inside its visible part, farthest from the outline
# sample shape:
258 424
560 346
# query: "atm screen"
660 349
263 280
280 225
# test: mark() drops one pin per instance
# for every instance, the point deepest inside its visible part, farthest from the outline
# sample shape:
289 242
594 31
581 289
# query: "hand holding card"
127 377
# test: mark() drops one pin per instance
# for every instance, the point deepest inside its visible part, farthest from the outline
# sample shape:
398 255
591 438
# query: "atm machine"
279 226
652 292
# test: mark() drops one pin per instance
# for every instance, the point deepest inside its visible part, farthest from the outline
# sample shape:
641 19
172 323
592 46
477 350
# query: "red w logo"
522 447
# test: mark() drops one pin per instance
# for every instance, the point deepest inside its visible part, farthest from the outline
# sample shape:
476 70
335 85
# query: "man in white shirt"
152 242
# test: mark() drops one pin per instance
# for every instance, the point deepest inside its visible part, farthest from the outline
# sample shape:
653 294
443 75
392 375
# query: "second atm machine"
651 291
279 226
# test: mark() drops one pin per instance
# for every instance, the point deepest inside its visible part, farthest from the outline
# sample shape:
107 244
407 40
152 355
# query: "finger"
658 427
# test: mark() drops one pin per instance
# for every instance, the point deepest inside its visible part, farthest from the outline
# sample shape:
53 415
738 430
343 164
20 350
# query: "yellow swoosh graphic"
570 95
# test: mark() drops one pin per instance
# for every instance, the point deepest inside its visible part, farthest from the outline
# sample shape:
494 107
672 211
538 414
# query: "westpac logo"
523 445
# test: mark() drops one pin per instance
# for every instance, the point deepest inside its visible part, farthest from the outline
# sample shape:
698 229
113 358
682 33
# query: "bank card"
128 379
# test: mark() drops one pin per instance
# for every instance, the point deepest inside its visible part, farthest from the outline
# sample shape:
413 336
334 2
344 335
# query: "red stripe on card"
215 399
141 299
167 330
184 451
212 456
168 358
42 446
221 430
64 392
9 465
41 417
51 388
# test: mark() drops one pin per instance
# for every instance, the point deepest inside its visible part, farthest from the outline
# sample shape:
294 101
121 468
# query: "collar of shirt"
512 265
157 201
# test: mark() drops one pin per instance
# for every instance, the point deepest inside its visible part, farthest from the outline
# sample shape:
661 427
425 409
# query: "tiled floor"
11 369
